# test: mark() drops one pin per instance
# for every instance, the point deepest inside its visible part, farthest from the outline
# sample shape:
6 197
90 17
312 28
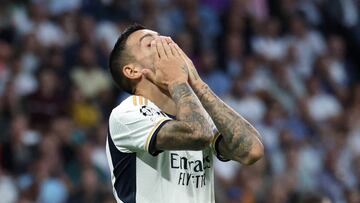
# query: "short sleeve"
134 128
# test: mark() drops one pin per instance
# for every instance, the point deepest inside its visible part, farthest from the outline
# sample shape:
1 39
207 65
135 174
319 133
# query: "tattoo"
184 69
238 134
192 119
173 136
180 90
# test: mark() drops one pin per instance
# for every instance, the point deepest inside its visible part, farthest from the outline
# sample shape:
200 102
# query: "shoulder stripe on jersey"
134 100
124 171
141 100
154 132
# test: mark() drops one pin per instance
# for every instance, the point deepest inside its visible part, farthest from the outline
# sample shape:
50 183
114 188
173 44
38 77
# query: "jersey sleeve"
134 128
215 147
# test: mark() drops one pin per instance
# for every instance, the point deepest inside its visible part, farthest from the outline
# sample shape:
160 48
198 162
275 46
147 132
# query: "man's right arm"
192 130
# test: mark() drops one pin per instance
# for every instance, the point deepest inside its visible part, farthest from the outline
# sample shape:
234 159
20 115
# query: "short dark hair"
120 56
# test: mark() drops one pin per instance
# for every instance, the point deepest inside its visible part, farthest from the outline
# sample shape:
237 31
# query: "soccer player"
163 137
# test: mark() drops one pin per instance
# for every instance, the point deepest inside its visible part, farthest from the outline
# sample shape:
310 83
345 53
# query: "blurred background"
291 67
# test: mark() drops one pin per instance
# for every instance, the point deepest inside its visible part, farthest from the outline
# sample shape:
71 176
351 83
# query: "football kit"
141 173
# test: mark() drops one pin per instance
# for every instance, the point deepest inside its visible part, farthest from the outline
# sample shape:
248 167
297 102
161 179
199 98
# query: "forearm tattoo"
188 106
238 134
193 116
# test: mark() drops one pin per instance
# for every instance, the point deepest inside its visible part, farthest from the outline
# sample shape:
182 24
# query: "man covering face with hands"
163 137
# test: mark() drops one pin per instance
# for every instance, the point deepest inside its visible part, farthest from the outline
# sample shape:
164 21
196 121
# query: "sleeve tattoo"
240 138
192 128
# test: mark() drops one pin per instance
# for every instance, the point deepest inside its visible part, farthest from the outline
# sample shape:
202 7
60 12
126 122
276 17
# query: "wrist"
176 82
173 84
200 88
179 89
198 84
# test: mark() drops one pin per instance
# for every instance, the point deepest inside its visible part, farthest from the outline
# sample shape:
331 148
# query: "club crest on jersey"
149 111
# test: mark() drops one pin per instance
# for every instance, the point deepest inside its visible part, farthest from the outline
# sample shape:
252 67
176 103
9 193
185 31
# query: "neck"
159 97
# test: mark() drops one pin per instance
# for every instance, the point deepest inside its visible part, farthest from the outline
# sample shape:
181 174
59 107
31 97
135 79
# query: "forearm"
240 137
190 110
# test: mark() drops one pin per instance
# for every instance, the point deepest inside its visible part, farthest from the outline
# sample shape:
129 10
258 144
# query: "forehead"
135 37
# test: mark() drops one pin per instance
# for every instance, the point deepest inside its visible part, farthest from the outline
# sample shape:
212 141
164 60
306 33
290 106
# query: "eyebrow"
147 35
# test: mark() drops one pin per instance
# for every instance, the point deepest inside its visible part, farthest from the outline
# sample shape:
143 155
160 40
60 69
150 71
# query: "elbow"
255 154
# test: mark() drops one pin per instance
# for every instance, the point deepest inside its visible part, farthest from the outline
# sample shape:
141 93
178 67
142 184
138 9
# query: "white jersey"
140 173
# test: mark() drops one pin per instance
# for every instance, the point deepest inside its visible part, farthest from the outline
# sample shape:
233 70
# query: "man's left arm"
240 141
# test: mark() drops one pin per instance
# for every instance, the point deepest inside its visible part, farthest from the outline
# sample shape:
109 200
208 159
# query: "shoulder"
132 106
132 102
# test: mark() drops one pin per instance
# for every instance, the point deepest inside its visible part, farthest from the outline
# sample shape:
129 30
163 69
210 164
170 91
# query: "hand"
194 78
169 65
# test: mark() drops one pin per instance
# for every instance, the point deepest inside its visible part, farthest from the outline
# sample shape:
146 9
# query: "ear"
132 72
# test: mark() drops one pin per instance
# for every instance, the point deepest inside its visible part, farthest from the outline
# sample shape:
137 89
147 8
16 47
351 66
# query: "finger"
150 75
180 51
160 48
174 51
166 47
154 50
168 40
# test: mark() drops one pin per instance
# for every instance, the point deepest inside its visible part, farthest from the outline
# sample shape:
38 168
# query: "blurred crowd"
291 67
